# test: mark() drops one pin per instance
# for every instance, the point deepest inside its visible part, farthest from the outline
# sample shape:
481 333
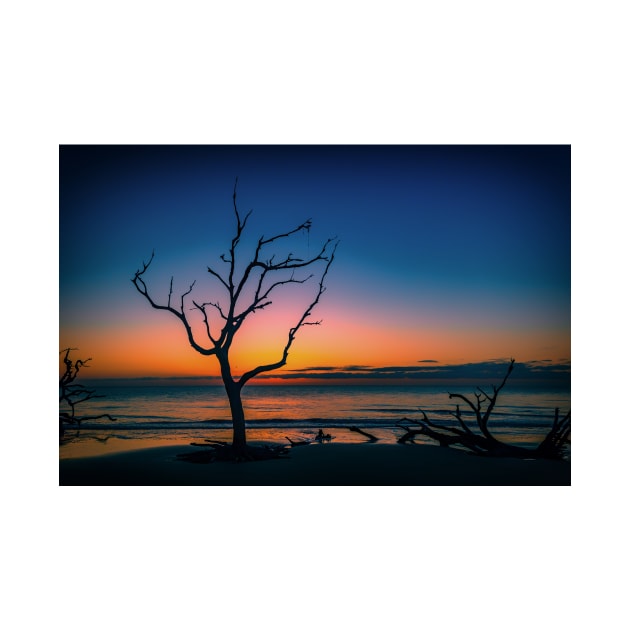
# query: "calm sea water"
276 412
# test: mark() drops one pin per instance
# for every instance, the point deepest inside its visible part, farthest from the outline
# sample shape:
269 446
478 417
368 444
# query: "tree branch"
485 443
73 394
293 331
138 282
261 301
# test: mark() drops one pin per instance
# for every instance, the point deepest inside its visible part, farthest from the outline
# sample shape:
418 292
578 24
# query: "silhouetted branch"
559 436
293 331
138 282
371 437
483 442
261 301
299 442
445 435
73 394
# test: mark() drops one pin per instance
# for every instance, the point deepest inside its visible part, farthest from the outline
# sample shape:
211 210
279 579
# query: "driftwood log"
371 438
477 437
299 442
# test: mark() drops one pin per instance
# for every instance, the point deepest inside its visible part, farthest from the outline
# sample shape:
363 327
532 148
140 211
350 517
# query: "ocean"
181 414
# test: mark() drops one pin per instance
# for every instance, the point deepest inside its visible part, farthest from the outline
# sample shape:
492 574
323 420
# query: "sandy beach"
315 465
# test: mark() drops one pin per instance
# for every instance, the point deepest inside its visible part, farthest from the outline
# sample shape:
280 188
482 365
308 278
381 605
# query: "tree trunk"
239 441
233 390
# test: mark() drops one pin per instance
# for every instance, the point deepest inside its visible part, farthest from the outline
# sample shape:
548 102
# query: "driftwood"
372 438
299 442
73 394
320 437
478 438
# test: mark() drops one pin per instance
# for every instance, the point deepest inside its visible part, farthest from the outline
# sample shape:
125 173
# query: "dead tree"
477 437
247 290
72 393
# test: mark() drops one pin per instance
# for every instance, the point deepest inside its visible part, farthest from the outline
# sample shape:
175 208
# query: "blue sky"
432 238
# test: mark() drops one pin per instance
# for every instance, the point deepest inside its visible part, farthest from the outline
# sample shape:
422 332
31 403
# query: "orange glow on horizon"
161 349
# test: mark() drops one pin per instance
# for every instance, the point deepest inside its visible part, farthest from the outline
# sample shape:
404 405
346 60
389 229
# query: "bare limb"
219 277
206 322
458 416
261 301
73 394
370 436
485 443
293 331
138 282
482 416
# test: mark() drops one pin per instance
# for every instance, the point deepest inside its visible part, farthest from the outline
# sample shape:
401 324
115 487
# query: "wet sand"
316 465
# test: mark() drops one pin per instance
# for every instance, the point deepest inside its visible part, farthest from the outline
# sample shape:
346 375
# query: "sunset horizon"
428 372
459 254
257 298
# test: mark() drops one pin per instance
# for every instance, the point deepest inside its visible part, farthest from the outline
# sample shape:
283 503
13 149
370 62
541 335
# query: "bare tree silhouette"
72 394
248 289
478 438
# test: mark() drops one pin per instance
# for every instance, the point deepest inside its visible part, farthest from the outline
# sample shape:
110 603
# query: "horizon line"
531 370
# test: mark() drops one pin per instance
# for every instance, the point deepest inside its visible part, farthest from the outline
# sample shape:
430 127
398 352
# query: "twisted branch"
483 442
235 287
73 394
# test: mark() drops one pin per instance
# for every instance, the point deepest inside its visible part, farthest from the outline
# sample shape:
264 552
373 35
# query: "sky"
447 255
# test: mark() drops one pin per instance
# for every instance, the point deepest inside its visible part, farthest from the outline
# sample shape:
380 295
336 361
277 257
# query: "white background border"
336 72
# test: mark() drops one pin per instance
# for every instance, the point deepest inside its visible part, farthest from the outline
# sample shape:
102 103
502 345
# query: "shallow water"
182 414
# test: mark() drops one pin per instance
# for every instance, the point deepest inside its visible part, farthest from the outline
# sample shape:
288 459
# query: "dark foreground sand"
316 465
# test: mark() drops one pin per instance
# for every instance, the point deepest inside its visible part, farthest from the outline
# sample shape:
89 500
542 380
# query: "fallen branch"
299 442
372 438
478 438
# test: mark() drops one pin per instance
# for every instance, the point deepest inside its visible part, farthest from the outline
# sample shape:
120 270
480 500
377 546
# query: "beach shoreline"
325 464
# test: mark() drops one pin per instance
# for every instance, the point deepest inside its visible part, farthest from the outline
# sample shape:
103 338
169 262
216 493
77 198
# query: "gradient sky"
453 254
